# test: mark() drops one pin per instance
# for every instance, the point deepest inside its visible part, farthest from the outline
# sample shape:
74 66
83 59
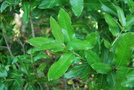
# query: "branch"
8 47
32 27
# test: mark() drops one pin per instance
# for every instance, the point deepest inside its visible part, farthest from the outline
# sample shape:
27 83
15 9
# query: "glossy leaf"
60 67
102 68
121 16
123 50
77 6
65 23
56 30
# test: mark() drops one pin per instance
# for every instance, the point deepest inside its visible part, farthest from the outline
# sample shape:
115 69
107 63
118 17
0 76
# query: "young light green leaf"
91 57
61 66
102 68
56 30
65 23
25 8
77 44
77 6
124 50
121 16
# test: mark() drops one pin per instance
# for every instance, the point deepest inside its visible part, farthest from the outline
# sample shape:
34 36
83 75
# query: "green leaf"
113 26
120 77
131 5
107 43
110 20
4 5
65 23
39 41
121 16
79 71
56 30
61 66
108 8
77 6
102 68
123 50
77 44
91 57
3 71
25 8
129 82
40 56
46 43
130 20
49 4
41 67
93 38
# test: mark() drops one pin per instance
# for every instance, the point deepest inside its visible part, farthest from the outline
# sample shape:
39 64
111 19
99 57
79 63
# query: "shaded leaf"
4 5
79 71
3 72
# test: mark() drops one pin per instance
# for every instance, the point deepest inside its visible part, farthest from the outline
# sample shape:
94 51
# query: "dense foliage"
66 44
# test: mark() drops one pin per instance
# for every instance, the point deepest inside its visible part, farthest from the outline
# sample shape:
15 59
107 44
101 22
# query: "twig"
23 46
116 38
8 47
3 47
32 27
65 84
47 88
